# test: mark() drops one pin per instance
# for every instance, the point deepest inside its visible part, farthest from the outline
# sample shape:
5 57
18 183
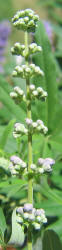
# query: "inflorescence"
26 20
31 217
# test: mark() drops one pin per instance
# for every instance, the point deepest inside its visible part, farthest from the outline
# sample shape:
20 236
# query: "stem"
30 188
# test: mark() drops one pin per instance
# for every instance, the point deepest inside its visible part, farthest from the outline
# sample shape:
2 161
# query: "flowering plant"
29 217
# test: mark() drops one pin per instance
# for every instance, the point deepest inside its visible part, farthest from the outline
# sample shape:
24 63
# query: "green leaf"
17 236
51 241
47 63
6 133
2 221
12 187
57 227
2 227
16 111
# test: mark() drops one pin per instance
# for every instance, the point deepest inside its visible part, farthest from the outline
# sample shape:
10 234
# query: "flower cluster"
19 130
17 166
39 93
43 165
27 215
19 49
18 94
36 127
31 217
32 127
4 33
27 71
25 20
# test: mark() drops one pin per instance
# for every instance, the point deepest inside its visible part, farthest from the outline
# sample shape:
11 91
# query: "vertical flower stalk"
30 189
30 218
28 102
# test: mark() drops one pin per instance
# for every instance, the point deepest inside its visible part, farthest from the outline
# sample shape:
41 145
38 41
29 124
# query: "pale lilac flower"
48 28
4 33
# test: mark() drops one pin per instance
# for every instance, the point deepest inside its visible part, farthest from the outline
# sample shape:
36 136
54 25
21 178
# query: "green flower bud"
18 49
36 18
33 47
25 20
14 74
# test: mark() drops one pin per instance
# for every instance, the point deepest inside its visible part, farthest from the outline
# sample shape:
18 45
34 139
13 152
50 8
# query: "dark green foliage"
46 61
51 241
50 112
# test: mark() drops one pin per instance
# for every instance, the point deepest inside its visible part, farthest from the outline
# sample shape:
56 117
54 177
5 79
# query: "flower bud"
25 216
34 124
25 20
40 161
15 160
18 91
32 87
20 210
13 95
45 130
36 226
20 220
28 121
31 217
40 90
19 129
33 166
28 207
35 93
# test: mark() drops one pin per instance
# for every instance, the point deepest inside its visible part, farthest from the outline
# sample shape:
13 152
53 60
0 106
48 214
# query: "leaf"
38 244
6 133
2 221
17 236
2 226
51 241
47 63
57 227
51 207
16 111
12 186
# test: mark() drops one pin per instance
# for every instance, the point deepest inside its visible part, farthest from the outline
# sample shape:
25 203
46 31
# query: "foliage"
50 145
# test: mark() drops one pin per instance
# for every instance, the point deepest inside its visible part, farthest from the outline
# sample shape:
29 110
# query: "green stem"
30 188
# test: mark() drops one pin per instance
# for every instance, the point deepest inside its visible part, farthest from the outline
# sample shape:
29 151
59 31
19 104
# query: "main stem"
30 188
